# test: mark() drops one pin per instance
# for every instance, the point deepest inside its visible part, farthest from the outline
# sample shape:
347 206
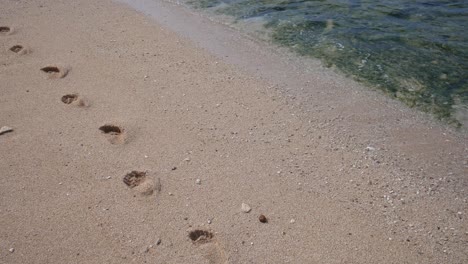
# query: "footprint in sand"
19 49
140 181
55 71
114 134
200 236
4 30
75 99
210 247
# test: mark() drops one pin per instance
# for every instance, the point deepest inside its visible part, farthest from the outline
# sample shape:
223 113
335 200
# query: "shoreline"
258 56
209 120
256 30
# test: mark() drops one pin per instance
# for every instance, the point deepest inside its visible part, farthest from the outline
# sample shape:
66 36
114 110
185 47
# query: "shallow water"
416 51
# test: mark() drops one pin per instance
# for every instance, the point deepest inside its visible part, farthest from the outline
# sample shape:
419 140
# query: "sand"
342 173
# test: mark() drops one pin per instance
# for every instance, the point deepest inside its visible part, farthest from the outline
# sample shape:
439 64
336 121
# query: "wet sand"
342 173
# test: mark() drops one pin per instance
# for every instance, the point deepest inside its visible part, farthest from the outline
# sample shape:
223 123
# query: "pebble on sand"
263 219
11 250
292 221
245 208
198 181
369 148
5 129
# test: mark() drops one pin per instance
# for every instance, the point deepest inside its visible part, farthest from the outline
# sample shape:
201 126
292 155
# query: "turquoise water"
416 51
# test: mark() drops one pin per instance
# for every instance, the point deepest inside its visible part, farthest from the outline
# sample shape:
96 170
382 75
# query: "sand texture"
131 143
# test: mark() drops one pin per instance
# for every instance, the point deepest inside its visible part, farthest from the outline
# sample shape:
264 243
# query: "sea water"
416 51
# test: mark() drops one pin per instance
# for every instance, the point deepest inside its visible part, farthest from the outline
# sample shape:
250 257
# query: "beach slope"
133 143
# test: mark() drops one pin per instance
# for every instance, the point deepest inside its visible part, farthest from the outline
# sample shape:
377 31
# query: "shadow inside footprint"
5 30
69 98
111 130
75 99
211 249
134 178
50 69
17 48
200 236
55 72
115 134
140 182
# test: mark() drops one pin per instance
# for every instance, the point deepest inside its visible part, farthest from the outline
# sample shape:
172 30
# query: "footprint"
75 99
211 249
5 30
200 236
69 98
19 49
114 134
139 181
55 72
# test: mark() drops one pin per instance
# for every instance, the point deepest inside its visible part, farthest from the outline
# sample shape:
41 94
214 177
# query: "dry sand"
342 174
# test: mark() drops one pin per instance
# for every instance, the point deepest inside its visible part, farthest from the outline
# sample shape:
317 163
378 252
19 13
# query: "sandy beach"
150 134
